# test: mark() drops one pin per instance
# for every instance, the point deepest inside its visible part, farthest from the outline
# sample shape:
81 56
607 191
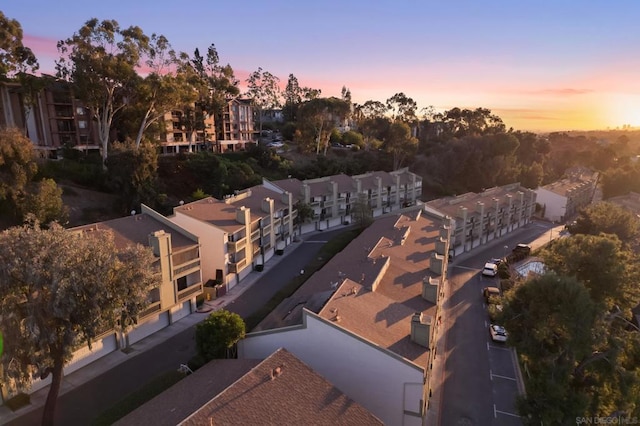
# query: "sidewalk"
106 363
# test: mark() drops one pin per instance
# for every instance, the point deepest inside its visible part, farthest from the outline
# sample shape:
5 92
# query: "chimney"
243 215
420 329
435 263
441 246
285 197
430 289
306 193
267 205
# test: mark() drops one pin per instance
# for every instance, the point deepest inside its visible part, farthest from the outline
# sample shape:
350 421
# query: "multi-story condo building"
240 232
367 321
234 127
179 135
243 231
180 282
563 199
481 217
333 198
52 118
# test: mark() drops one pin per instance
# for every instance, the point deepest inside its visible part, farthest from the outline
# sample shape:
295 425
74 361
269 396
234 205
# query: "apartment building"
52 118
333 198
181 134
367 321
481 217
280 390
235 126
240 232
563 199
178 265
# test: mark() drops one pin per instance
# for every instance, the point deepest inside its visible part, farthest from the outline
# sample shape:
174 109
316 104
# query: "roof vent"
276 372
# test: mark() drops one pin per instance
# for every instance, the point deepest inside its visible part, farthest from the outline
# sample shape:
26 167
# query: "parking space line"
490 375
498 347
503 412
502 377
495 412
465 267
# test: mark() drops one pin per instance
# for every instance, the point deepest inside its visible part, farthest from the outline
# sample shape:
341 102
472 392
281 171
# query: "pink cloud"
41 46
562 92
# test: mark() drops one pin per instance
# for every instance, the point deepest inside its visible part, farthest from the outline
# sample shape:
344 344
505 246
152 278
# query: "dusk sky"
539 65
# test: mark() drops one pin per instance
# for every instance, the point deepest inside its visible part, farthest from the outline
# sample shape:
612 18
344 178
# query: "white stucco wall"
213 249
555 204
381 382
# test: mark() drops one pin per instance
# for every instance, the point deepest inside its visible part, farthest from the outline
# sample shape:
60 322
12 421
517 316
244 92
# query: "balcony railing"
191 266
187 293
235 267
151 309
255 235
234 246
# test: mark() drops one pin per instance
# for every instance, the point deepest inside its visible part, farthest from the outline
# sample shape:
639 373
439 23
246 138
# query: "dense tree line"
578 345
455 151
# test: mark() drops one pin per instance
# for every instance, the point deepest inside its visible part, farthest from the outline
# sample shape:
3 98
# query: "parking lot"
502 374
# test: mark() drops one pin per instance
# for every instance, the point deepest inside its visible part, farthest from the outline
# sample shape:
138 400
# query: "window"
79 111
182 283
82 124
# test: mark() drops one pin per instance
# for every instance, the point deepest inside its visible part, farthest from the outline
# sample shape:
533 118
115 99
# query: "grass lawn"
139 397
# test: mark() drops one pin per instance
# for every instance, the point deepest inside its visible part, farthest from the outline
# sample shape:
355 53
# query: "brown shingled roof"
215 212
382 316
131 230
190 394
282 390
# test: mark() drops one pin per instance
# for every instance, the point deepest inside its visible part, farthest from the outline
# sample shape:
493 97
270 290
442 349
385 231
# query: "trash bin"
221 290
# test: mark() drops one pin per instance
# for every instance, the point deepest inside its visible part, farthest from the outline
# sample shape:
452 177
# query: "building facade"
563 199
235 126
240 232
334 199
178 266
181 134
481 217
51 117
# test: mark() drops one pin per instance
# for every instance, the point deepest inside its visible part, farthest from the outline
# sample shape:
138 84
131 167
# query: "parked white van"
490 270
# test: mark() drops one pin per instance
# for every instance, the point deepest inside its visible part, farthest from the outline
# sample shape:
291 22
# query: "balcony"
189 292
235 246
235 267
151 309
255 235
187 267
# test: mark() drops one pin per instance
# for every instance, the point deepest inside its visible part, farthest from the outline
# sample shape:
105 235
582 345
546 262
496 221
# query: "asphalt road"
479 385
84 403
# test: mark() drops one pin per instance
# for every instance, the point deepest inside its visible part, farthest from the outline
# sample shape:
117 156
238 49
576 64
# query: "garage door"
179 312
149 327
